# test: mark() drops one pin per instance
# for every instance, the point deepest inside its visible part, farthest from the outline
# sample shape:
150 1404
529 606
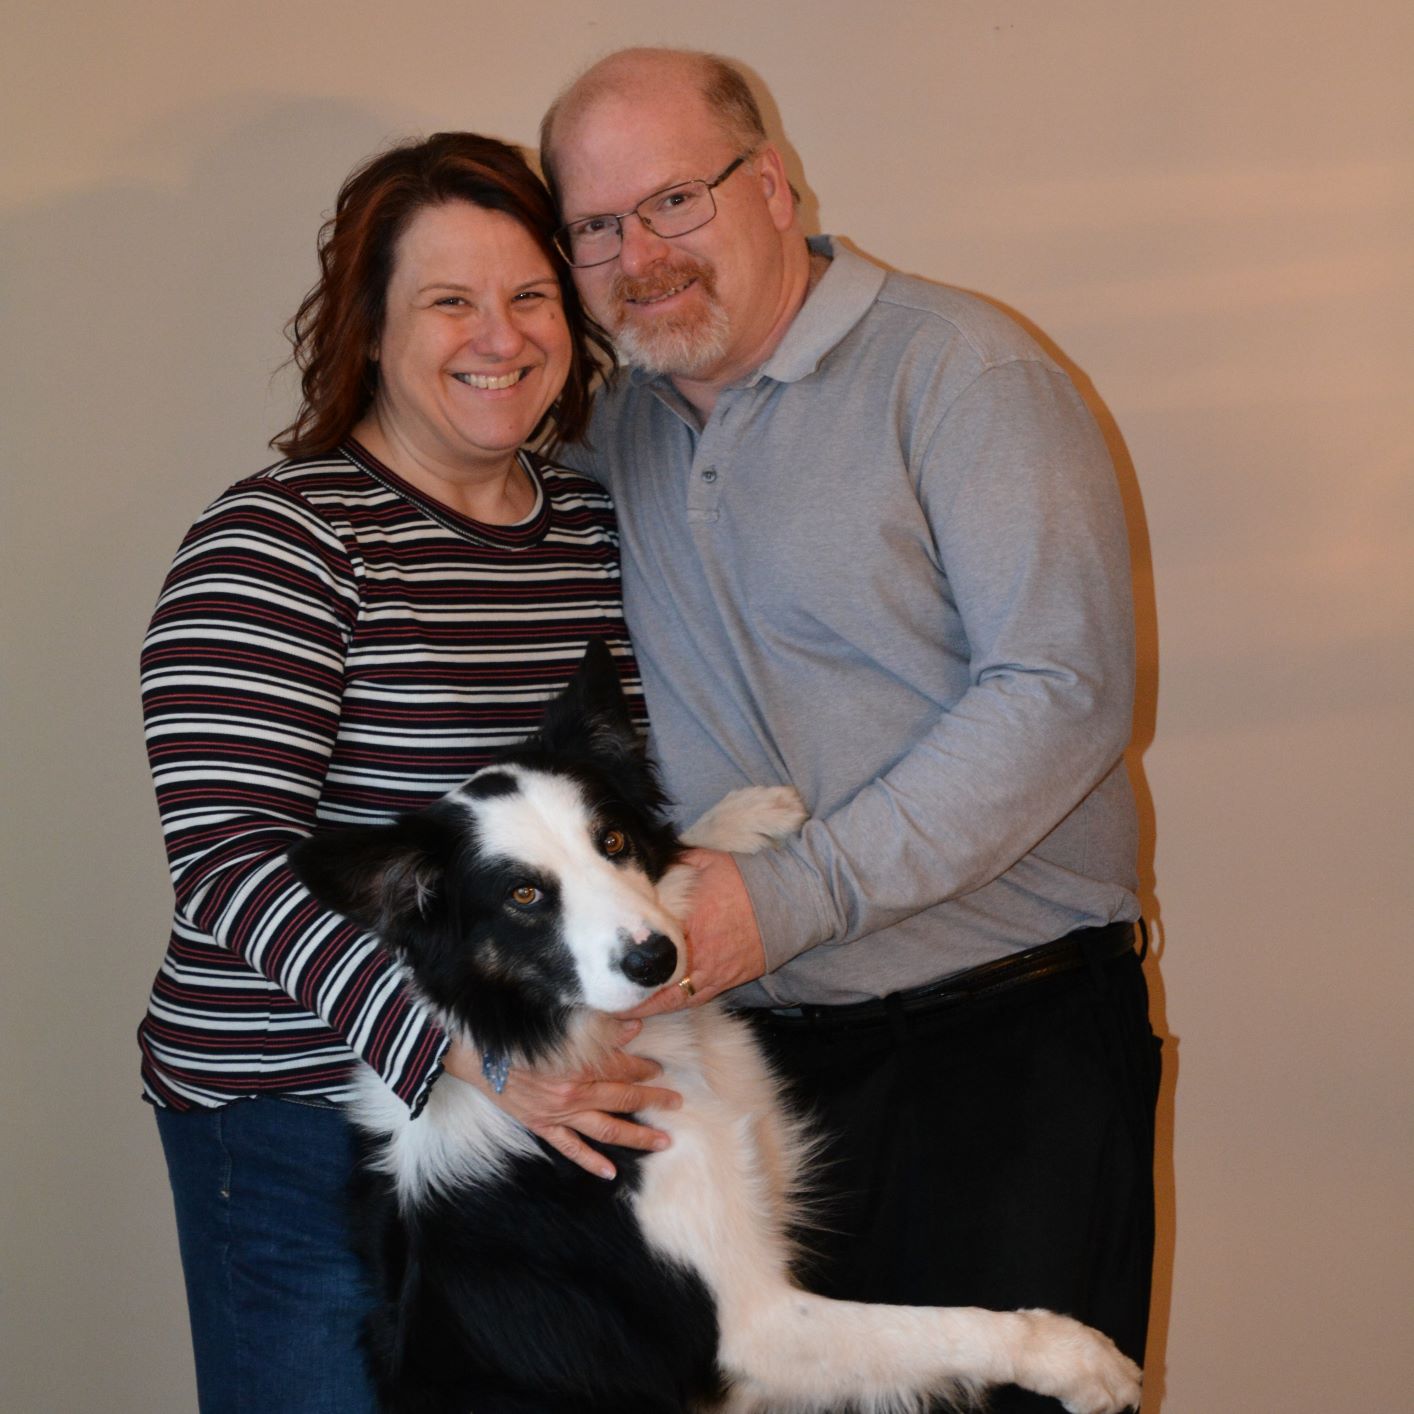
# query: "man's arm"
1021 497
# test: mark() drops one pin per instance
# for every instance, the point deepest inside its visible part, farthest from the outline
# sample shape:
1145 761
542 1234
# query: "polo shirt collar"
841 299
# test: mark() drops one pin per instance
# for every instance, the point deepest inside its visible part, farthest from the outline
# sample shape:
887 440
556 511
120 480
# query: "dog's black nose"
651 962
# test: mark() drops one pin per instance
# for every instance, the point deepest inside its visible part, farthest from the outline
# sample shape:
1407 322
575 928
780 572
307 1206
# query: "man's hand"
724 943
564 1110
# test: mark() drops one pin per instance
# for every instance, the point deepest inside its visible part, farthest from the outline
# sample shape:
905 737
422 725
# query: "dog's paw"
749 819
1077 1365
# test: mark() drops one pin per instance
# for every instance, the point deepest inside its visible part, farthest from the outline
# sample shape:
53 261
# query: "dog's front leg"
747 820
801 1351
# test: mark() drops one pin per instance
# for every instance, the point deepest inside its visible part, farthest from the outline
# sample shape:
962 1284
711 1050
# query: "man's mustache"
661 281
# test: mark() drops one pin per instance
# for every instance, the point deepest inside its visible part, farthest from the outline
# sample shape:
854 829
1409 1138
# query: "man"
873 548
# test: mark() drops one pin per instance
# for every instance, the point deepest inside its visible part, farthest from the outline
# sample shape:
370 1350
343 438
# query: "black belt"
1086 946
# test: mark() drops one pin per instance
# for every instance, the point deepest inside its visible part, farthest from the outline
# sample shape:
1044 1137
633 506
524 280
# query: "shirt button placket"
711 460
705 491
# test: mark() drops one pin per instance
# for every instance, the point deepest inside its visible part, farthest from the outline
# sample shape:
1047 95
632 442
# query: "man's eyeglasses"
674 211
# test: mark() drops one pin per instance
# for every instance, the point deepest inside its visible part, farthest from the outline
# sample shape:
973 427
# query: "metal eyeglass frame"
565 246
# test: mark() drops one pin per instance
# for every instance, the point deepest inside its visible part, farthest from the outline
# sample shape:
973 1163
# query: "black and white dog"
525 906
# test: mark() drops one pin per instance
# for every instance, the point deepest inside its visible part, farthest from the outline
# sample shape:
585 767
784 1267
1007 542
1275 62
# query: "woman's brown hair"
340 323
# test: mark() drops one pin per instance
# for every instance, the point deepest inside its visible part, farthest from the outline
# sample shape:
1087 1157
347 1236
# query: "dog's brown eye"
614 842
525 894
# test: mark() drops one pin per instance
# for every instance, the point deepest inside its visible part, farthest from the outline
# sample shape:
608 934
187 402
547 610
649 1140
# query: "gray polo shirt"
892 571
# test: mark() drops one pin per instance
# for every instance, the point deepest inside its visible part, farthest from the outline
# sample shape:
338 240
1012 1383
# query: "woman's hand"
561 1108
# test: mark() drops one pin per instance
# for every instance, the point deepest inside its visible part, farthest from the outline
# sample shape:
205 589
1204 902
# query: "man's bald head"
722 87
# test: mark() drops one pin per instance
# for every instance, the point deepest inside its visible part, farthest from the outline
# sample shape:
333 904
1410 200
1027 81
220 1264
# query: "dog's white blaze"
546 825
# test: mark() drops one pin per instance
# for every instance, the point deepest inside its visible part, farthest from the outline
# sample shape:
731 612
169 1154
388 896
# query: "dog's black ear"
381 877
592 713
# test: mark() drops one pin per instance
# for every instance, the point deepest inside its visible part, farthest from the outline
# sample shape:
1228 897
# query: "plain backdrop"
1204 208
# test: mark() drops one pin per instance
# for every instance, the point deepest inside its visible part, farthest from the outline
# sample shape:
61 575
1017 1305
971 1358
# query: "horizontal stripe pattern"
330 648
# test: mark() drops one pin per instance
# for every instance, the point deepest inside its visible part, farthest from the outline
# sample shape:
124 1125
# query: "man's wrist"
789 903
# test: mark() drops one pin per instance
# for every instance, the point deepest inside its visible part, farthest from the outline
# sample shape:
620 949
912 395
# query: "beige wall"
1204 206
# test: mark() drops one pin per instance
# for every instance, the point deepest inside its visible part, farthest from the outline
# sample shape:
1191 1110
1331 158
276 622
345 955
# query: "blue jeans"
276 1296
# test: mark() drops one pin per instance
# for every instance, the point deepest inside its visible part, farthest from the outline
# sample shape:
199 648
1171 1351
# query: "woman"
343 636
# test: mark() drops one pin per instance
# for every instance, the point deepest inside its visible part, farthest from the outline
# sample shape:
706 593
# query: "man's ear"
381 877
781 197
592 714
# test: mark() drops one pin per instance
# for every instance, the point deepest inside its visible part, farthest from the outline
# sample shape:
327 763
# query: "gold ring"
686 984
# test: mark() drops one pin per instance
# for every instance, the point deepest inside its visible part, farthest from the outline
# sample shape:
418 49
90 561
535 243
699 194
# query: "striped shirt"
333 647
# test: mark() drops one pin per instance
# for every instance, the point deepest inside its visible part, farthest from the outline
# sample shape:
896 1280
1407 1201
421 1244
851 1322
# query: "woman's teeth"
480 380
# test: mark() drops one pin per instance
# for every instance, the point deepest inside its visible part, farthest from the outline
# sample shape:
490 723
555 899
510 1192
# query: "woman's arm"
242 675
242 694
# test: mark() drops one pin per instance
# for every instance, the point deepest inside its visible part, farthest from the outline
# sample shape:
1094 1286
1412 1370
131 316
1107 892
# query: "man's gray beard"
683 352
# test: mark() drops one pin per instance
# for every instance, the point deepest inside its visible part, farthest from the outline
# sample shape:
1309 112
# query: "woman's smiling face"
475 348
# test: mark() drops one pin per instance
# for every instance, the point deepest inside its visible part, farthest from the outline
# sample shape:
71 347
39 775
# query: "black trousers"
995 1153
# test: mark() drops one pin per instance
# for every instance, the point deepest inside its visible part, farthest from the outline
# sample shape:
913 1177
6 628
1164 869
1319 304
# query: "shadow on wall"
807 203
143 331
